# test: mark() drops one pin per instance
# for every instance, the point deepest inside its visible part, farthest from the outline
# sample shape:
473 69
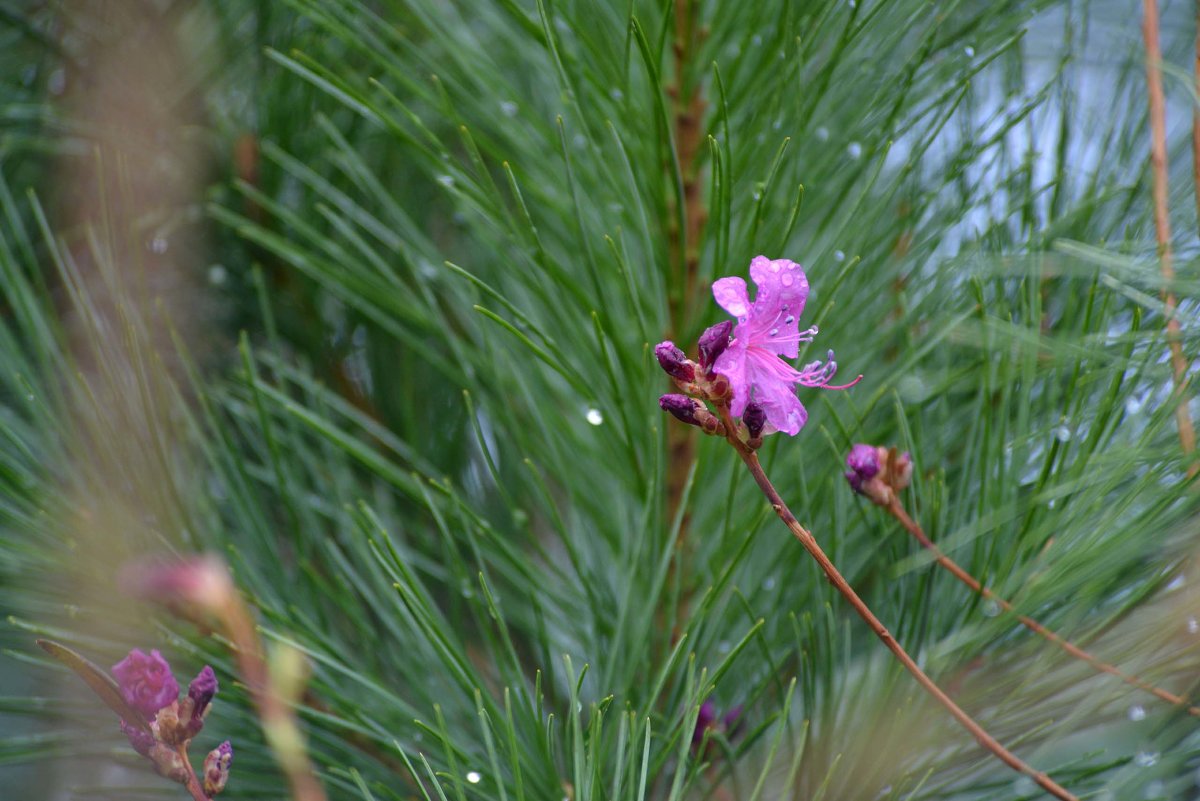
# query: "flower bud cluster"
878 473
169 722
700 383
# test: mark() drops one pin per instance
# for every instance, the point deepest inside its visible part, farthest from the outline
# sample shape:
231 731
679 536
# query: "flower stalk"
750 459
896 510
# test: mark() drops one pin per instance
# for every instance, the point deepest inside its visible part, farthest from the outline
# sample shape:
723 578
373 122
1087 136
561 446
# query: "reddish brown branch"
913 528
835 578
684 246
1162 226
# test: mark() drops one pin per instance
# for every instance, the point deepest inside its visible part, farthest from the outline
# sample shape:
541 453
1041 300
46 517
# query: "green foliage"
423 427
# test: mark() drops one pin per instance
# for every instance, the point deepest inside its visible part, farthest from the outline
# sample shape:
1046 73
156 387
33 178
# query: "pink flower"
146 682
765 331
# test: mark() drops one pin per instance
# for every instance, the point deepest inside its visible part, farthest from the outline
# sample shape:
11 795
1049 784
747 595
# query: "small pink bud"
674 362
216 768
146 682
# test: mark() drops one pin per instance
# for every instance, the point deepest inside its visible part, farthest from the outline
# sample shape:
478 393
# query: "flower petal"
732 365
731 296
779 300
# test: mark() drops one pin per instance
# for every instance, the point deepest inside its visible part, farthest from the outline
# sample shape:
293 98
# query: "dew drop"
594 417
1135 403
774 332
1176 583
724 646
615 93
473 777
1062 434
1145 759
30 397
158 245
822 134
787 279
446 180
991 607
777 125
1137 712
854 150
217 274
970 51
756 40
839 255
791 318
509 108
1193 626
769 583
1024 786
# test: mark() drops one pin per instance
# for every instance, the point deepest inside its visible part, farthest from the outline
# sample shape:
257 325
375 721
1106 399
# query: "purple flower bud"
216 768
200 693
755 418
704 721
146 682
863 462
674 361
731 721
681 406
713 343
141 740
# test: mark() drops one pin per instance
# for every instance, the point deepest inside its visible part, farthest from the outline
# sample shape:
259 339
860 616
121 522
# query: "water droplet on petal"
595 417
1137 712
774 332
787 279
474 777
774 266
791 318
854 150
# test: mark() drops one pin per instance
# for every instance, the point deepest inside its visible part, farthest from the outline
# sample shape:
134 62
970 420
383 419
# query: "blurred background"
362 296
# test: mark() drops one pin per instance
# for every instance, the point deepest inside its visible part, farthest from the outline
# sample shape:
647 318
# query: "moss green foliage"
406 389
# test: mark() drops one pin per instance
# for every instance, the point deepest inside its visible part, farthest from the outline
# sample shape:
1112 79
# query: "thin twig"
1162 226
914 528
839 582
192 783
1196 117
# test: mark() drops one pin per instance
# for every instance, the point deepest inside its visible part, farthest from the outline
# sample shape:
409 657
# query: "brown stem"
1196 117
1162 225
684 245
913 528
279 724
192 784
839 582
